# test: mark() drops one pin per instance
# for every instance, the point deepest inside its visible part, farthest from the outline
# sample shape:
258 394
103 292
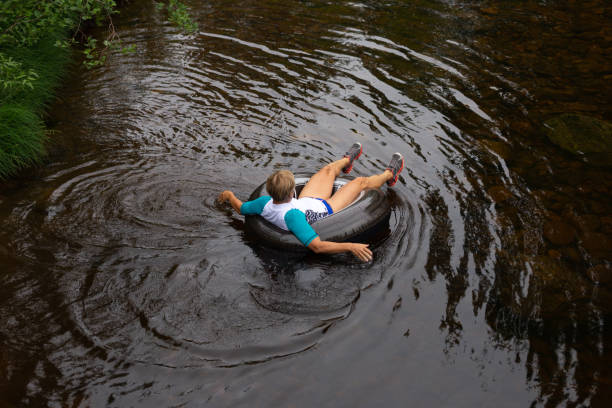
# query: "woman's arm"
233 200
361 251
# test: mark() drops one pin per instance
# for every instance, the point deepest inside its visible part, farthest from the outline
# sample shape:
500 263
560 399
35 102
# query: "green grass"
35 48
22 141
22 130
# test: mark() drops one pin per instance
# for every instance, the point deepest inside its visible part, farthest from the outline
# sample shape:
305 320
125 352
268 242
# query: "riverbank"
36 43
36 40
22 106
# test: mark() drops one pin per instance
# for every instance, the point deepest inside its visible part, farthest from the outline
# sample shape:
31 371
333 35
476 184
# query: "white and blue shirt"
295 216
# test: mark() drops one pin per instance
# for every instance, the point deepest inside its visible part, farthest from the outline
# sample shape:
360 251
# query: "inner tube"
366 215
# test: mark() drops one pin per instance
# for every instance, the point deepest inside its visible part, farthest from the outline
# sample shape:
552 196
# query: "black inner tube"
364 217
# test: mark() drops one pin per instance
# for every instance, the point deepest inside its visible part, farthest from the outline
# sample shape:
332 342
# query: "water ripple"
120 257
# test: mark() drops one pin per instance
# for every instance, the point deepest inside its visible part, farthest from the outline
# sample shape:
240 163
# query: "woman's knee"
329 170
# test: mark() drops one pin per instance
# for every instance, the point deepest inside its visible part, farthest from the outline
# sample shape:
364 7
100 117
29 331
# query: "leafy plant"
24 22
178 14
13 76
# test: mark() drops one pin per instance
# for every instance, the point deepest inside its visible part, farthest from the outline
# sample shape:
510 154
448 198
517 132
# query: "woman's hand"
228 196
225 196
362 252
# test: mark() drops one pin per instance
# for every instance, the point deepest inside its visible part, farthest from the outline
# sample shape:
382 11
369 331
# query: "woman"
316 201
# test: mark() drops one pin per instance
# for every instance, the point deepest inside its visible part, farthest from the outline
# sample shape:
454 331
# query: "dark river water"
123 282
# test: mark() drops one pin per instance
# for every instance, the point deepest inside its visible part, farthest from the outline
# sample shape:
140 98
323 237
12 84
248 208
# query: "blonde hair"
280 185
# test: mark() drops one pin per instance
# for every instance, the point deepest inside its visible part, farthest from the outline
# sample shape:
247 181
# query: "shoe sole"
396 175
347 171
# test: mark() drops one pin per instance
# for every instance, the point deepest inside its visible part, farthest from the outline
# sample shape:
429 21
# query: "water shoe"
395 166
353 154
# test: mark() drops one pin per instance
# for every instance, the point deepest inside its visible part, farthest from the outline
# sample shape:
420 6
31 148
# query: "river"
123 282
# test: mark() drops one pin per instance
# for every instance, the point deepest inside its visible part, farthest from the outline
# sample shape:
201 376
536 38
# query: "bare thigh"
347 193
321 184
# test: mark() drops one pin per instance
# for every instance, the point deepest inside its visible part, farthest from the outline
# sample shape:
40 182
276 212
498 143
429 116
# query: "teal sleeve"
296 222
254 207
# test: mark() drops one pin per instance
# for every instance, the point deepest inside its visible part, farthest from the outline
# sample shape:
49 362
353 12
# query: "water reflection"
124 283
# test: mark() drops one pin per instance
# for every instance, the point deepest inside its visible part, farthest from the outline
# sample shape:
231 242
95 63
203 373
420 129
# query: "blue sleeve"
254 207
296 222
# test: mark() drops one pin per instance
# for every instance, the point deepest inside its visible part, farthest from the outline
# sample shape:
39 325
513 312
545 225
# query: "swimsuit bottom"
319 208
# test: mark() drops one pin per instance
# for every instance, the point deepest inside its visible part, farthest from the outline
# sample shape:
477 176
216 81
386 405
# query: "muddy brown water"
123 283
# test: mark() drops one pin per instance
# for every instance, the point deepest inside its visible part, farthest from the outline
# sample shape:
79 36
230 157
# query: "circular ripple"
145 203
167 268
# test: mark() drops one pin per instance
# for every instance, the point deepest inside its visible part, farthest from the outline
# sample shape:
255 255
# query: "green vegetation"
34 51
28 76
36 42
178 14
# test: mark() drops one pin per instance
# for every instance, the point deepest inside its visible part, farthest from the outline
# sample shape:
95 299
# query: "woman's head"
280 185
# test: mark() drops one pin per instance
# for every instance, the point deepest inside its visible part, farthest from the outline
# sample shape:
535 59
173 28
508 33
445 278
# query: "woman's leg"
349 192
322 183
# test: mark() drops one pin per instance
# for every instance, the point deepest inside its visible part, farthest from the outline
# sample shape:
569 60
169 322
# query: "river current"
124 283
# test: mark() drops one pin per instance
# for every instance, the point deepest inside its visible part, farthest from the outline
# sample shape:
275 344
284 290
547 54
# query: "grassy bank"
35 48
36 42
22 105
